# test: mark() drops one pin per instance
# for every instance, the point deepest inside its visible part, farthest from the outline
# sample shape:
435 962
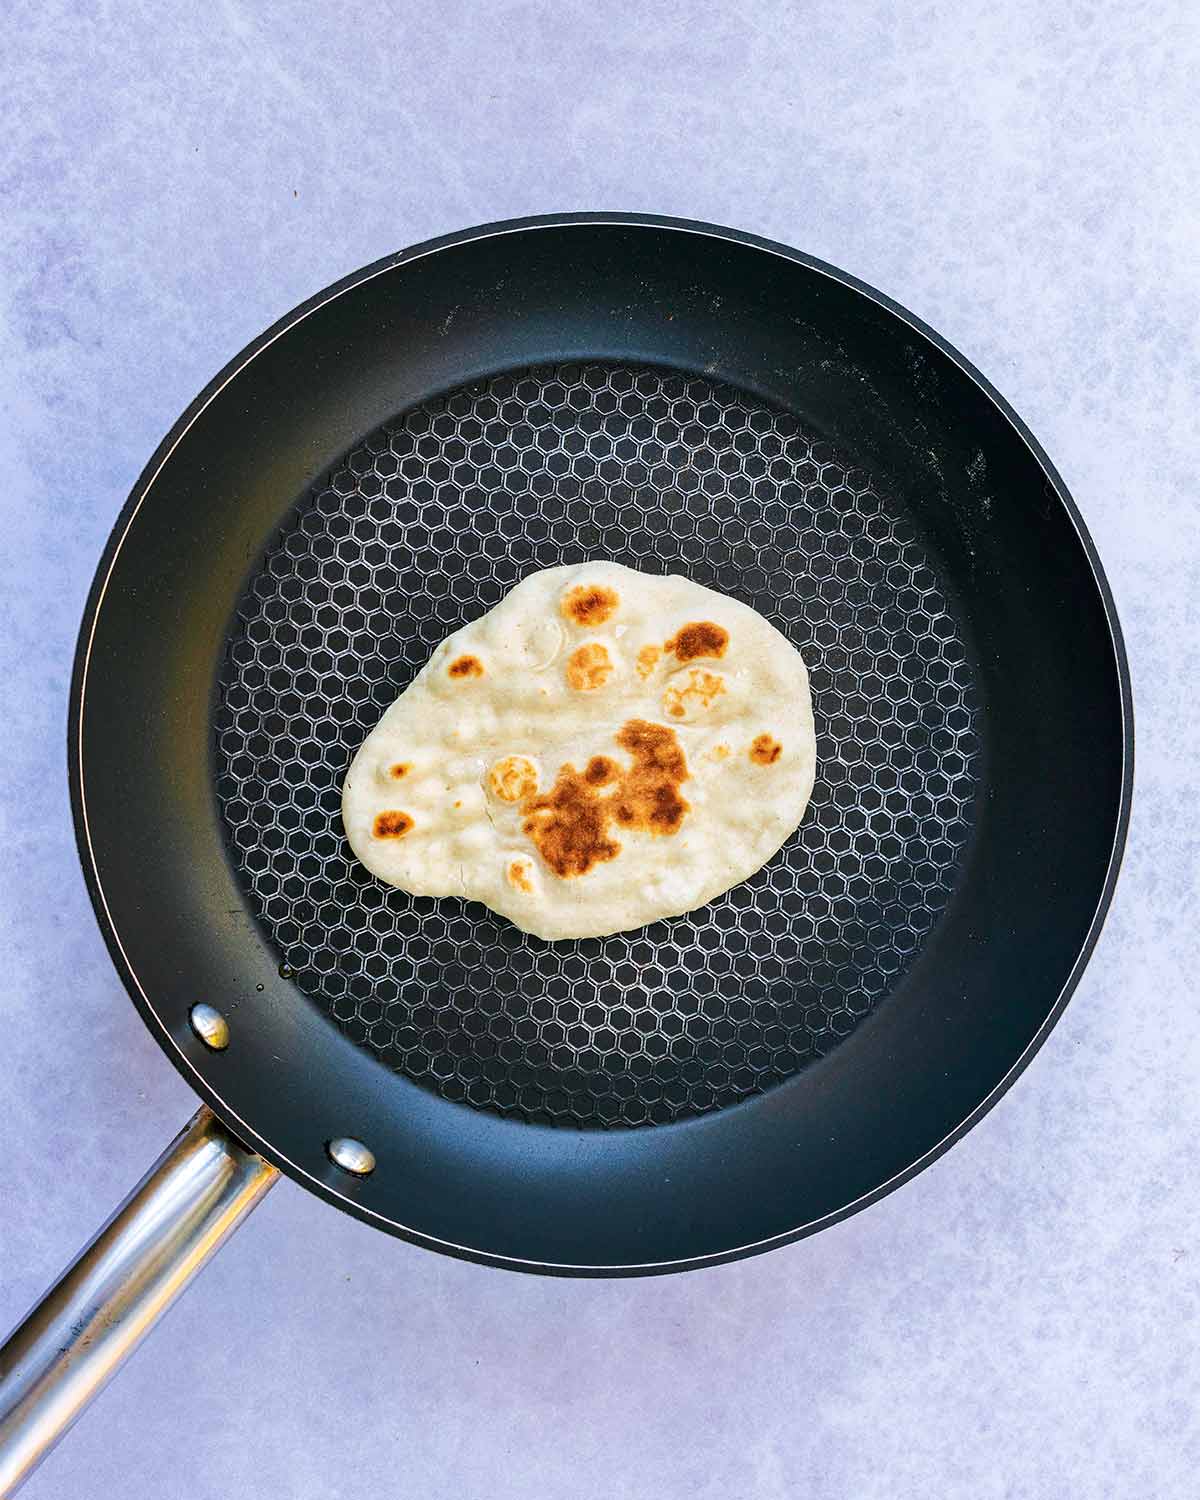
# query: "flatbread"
603 748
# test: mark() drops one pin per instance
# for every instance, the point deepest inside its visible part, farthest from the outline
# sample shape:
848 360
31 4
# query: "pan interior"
427 524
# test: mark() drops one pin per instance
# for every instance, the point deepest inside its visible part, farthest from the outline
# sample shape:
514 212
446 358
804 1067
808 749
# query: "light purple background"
1020 1321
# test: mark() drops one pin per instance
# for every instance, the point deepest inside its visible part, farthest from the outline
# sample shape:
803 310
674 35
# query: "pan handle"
108 1299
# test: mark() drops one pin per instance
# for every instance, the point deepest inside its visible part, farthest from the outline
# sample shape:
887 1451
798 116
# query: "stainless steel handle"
104 1304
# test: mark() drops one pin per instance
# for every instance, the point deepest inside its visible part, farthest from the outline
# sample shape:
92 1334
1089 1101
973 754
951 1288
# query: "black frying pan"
384 465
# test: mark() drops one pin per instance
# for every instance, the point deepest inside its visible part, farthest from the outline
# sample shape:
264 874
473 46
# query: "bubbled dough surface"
529 680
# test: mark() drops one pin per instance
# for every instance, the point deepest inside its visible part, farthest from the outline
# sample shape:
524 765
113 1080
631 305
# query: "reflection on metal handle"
104 1304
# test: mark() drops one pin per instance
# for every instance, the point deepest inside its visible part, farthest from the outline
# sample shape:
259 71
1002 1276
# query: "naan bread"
603 748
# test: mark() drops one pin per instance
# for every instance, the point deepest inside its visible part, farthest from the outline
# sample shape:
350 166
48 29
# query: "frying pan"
379 468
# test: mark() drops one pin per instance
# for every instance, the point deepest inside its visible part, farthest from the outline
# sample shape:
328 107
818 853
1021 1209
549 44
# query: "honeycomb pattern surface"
429 523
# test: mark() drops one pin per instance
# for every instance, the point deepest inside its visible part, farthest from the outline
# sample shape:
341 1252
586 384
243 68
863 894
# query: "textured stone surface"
1022 1320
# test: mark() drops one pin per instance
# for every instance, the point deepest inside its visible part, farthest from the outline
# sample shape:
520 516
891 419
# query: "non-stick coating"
428 523
174 637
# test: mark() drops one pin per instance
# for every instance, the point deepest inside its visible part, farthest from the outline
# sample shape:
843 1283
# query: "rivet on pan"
351 1155
210 1026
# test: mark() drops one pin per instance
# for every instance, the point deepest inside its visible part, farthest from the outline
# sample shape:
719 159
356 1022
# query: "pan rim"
140 492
